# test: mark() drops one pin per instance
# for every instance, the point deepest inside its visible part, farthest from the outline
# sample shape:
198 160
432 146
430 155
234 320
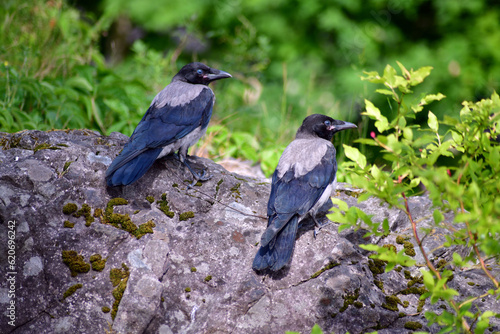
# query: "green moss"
349 299
188 289
420 306
97 262
236 191
441 263
150 199
398 269
400 239
175 185
325 268
98 212
409 249
402 314
105 309
391 247
379 284
186 215
193 269
413 325
217 187
406 304
415 280
471 283
69 208
119 278
68 224
357 304
115 276
86 212
136 212
208 278
75 262
407 274
144 228
45 146
414 291
391 303
71 290
123 221
376 266
117 201
163 206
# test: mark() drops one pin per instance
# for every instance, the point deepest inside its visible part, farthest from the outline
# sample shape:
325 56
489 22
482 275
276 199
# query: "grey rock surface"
193 273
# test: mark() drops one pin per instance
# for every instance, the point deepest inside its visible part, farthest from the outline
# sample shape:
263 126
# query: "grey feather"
177 93
302 155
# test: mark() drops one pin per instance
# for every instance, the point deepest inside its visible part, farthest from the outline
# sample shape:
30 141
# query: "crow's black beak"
218 74
340 127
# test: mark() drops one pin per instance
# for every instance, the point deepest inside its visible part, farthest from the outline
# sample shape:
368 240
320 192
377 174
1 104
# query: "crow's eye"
199 71
328 123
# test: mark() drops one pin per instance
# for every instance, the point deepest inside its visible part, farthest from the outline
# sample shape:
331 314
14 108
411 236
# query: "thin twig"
429 263
473 236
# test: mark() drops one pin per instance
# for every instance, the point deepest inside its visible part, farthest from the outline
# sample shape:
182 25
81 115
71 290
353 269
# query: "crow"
176 119
302 182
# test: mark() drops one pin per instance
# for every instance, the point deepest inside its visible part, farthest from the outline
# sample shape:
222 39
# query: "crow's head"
322 126
198 73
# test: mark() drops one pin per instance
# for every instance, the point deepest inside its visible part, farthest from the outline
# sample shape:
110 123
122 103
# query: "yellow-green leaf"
433 122
355 155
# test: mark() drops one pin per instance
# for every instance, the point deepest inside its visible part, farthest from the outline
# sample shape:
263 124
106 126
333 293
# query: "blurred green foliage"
289 59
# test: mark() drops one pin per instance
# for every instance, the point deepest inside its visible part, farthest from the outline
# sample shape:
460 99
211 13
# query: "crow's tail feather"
275 255
132 170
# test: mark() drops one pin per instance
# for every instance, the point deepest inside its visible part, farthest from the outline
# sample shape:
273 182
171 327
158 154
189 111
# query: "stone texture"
192 275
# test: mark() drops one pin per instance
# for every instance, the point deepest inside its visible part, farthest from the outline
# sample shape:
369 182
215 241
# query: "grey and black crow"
176 119
302 182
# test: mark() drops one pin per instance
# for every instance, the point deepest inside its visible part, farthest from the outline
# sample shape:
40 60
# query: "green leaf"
403 69
433 122
438 216
355 155
419 75
373 77
341 204
457 260
316 330
373 112
432 97
80 83
385 92
408 133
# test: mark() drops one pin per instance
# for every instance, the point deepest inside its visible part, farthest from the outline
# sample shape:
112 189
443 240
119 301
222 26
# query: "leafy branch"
459 170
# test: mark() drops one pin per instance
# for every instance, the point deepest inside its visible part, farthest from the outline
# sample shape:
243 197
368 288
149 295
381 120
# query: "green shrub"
456 160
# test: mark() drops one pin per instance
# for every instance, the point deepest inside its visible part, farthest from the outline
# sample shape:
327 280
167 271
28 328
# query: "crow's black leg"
183 157
197 177
318 225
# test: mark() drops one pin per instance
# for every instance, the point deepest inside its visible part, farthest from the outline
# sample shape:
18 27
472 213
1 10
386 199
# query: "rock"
168 259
